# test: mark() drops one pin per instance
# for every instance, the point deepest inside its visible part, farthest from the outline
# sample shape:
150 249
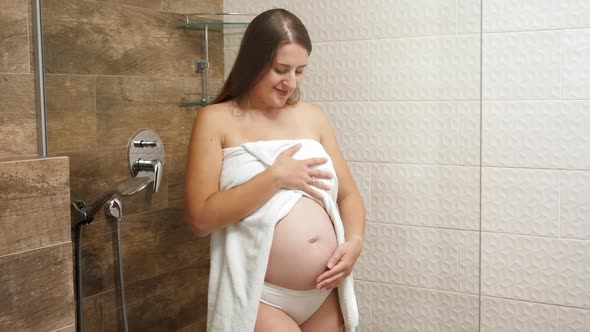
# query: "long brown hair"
264 36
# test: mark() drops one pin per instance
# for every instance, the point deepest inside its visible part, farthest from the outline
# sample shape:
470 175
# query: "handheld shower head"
124 188
131 186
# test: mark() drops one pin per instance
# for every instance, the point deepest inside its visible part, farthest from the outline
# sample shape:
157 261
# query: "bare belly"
303 241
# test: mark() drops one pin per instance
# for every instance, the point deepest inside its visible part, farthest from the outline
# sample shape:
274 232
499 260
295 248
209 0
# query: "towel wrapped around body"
240 252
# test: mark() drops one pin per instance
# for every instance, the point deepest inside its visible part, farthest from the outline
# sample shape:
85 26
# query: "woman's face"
276 85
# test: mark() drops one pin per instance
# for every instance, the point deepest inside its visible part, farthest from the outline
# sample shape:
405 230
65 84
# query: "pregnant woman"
266 178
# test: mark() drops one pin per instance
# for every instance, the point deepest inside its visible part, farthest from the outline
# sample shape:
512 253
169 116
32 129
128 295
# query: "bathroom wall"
36 289
400 81
112 69
535 256
18 121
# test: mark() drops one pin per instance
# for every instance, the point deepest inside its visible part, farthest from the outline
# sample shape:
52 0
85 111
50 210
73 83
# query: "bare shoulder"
212 119
309 109
213 113
314 114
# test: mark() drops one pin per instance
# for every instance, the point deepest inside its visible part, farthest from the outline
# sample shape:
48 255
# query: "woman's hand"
300 174
340 264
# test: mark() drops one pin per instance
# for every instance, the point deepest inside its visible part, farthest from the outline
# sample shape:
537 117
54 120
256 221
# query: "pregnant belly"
303 241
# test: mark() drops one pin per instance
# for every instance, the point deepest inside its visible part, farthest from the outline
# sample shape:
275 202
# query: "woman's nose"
291 81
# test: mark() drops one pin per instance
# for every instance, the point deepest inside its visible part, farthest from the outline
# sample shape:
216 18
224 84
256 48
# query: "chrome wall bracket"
201 65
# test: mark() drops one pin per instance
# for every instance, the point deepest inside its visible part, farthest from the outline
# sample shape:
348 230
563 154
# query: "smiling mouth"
282 92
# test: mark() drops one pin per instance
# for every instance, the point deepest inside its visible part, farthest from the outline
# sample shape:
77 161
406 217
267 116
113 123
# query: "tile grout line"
26 251
480 158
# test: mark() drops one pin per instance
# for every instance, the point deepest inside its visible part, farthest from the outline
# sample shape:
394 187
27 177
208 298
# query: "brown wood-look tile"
177 155
94 172
18 115
126 105
31 37
36 290
123 108
70 328
189 6
174 122
160 242
98 263
34 178
200 326
167 302
216 56
176 195
92 312
71 113
14 40
150 4
32 223
153 243
109 39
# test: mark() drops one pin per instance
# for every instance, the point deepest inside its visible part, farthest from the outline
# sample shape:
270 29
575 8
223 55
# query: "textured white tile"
233 35
552 271
522 133
426 195
414 256
575 134
363 296
544 134
469 16
407 18
397 131
361 172
574 320
576 12
469 133
404 309
337 72
516 316
469 262
252 6
520 201
229 58
576 67
523 65
333 20
575 205
433 68
353 124
510 15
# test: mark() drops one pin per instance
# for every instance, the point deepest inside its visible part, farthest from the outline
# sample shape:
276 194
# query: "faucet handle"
157 174
153 166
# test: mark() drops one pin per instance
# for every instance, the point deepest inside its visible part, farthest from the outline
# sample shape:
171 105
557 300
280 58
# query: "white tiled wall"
535 256
401 83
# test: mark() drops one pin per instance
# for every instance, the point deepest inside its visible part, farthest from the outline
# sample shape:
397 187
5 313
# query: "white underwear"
300 305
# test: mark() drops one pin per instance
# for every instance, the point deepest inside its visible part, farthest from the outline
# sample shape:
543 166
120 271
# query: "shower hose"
79 298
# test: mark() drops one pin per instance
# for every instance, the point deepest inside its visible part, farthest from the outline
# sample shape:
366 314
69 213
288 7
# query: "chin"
279 102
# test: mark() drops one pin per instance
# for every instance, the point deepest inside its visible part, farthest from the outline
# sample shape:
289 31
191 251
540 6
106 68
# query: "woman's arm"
352 212
207 209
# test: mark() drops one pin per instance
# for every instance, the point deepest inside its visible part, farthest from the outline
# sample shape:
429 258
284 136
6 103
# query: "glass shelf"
202 65
200 102
214 25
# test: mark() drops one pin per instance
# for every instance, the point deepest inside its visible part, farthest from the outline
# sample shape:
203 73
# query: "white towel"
240 252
